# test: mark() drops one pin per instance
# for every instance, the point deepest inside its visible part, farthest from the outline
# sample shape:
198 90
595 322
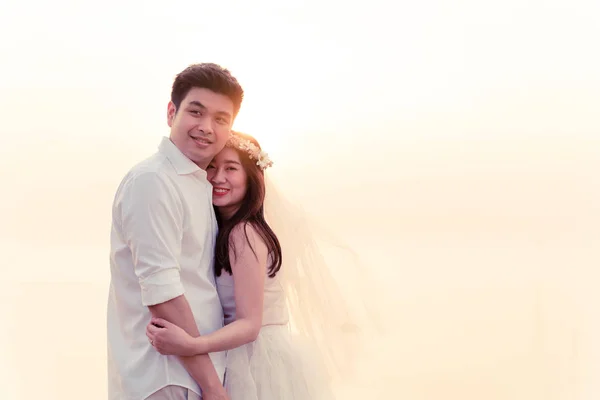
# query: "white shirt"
162 245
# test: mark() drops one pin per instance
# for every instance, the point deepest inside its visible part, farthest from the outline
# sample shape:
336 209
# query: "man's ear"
171 112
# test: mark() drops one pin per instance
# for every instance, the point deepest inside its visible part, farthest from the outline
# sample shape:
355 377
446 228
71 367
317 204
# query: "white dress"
276 366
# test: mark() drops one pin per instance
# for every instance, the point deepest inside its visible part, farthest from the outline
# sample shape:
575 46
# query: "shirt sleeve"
152 226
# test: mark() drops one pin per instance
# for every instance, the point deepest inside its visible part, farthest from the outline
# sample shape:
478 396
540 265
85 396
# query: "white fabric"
277 365
174 393
274 306
299 360
162 245
329 294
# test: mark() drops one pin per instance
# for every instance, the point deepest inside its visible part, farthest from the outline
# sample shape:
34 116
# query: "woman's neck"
226 212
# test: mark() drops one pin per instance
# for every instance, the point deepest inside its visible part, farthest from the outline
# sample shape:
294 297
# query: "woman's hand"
169 339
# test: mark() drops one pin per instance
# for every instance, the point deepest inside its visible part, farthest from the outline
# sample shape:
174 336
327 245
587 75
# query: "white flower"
262 158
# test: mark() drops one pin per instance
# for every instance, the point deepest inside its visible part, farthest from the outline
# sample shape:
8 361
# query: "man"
162 244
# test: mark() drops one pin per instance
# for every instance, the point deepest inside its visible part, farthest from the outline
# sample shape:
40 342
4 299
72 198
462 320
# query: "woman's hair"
251 212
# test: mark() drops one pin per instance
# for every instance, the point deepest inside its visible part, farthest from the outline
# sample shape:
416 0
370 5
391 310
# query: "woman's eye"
210 167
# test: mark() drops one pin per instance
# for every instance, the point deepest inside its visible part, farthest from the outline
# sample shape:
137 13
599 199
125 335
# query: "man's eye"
210 167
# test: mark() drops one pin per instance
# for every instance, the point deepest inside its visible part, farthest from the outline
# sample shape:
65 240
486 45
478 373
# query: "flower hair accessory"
262 159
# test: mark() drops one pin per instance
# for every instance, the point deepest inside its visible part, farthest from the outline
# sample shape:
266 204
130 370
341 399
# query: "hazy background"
455 145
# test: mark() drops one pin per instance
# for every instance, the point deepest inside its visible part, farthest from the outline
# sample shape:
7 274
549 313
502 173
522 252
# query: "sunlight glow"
454 145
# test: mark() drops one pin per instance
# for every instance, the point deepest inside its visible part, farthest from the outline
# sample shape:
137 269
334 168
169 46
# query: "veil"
330 300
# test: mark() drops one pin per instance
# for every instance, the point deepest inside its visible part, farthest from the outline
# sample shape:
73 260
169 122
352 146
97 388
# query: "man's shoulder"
156 163
150 173
156 166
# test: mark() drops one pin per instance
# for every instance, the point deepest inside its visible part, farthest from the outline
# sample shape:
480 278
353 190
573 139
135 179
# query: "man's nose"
205 125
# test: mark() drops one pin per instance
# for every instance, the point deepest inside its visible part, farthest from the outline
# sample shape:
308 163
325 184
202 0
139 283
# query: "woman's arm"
248 258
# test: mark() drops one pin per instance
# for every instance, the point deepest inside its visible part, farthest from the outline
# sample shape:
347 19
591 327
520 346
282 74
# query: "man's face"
200 127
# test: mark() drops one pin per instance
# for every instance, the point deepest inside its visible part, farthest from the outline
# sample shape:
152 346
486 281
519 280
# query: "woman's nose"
218 177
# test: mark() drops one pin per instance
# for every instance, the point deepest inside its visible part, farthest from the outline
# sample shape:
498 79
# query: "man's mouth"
201 141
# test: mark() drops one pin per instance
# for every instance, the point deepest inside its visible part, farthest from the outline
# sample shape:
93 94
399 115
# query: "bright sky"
407 122
374 87
307 67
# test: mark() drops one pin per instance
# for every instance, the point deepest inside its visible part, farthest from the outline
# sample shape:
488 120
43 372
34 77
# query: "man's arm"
248 255
200 367
152 222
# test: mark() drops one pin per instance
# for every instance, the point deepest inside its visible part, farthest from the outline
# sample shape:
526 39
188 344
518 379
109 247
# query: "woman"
263 361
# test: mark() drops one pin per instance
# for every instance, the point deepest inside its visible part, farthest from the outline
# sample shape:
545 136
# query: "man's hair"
209 76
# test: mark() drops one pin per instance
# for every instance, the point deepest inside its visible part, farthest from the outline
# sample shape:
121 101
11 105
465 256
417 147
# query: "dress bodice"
274 306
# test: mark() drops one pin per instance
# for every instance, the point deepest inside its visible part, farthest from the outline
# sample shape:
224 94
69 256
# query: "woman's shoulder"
246 245
246 232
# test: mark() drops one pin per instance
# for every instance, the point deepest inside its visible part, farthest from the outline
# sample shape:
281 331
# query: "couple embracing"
197 307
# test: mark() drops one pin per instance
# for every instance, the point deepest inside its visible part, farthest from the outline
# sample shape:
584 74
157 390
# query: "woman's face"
229 180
